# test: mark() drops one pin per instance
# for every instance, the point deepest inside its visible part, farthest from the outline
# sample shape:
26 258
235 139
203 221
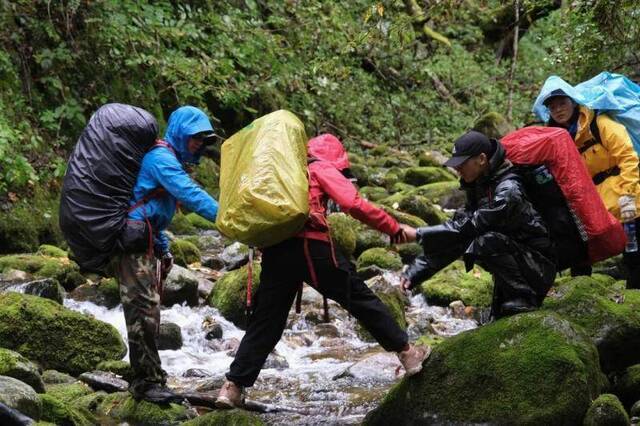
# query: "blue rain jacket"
164 168
612 93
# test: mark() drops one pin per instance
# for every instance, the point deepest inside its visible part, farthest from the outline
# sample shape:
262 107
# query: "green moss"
68 392
427 159
627 386
379 150
405 218
180 225
226 418
229 295
62 269
529 369
52 251
54 336
420 206
122 407
61 413
430 340
606 410
494 125
343 232
361 173
425 175
184 252
200 222
400 187
381 257
369 238
373 193
474 288
121 368
408 252
436 192
207 173
52 377
355 158
110 290
14 365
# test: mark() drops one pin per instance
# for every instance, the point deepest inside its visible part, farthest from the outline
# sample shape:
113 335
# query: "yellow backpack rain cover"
263 181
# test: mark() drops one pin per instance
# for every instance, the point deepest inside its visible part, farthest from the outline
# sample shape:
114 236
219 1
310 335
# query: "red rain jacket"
327 159
555 148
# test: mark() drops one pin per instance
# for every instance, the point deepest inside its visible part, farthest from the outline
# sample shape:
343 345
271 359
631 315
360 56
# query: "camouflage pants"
141 304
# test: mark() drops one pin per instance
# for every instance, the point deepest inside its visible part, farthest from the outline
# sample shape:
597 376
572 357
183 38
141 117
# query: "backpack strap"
595 133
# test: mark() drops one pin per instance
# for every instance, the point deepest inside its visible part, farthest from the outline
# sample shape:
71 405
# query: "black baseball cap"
554 94
469 145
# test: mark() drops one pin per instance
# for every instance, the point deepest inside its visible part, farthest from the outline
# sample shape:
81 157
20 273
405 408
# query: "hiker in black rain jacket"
498 228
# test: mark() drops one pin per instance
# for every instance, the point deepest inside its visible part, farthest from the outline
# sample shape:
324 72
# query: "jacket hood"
554 84
184 122
327 147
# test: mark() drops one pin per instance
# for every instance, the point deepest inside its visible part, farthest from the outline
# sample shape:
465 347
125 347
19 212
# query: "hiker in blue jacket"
162 182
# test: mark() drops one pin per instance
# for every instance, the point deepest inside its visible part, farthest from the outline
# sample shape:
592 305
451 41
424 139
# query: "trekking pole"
249 284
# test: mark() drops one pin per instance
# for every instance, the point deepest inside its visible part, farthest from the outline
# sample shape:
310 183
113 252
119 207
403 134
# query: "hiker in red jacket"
311 257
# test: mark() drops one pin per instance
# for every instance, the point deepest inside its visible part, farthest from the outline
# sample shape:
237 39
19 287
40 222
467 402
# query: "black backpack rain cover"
98 185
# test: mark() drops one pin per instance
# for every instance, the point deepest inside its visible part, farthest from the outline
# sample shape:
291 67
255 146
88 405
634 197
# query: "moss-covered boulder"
54 336
381 257
105 292
200 222
373 193
529 369
361 173
207 173
609 314
420 206
121 368
400 187
408 252
393 298
229 295
369 238
430 159
180 225
184 252
49 288
20 396
606 410
62 269
474 288
52 251
12 364
64 413
406 218
494 125
343 232
226 418
627 386
446 194
121 407
53 377
419 176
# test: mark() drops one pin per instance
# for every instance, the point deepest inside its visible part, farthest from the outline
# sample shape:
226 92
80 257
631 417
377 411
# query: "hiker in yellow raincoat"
608 153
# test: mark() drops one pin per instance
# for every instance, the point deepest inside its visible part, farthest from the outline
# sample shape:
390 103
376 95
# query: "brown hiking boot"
230 396
412 358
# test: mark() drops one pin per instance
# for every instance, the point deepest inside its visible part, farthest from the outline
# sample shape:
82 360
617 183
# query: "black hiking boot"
516 306
158 394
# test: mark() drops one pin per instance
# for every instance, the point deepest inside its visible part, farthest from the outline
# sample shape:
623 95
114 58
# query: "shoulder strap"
154 193
595 132
164 144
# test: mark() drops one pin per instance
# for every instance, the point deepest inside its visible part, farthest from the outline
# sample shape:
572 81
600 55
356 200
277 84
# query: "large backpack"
98 185
264 188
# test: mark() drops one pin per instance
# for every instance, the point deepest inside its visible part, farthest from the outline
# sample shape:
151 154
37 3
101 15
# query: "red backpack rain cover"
555 148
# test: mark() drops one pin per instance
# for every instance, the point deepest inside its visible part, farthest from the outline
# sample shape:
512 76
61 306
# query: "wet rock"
103 293
212 329
370 271
184 252
473 288
383 258
298 340
234 256
121 407
226 418
369 238
180 225
61 269
170 336
181 286
408 252
230 292
343 234
121 368
635 409
47 288
197 372
594 304
458 309
213 262
13 417
12 364
393 298
56 337
104 381
606 410
502 373
626 386
20 396
53 377
210 384
380 367
326 330
276 361
14 275
494 125
224 345
418 176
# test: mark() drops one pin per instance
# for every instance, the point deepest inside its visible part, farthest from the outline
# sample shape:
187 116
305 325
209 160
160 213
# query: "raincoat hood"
552 87
327 147
184 122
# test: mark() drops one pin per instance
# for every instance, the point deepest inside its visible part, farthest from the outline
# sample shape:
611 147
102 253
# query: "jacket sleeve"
161 242
168 171
616 140
342 191
507 209
427 265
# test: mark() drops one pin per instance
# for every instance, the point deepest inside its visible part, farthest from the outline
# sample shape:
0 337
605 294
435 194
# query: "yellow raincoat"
616 150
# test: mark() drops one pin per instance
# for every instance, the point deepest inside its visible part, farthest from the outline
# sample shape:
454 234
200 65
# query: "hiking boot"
230 396
516 306
412 358
158 393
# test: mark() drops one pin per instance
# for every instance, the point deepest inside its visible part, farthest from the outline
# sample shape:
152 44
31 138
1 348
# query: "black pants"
284 267
632 262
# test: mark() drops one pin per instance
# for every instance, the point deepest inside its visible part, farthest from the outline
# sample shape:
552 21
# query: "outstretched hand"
408 233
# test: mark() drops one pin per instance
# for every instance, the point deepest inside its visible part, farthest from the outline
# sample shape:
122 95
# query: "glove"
627 205
167 264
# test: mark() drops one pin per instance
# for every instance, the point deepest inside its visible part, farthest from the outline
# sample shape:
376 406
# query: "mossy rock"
56 337
53 377
373 193
474 288
529 369
408 252
361 173
430 340
428 159
200 222
400 187
184 252
446 194
121 407
229 295
64 413
493 125
121 368
614 267
343 234
627 386
379 150
419 176
180 225
68 392
594 304
207 173
355 159
52 251
195 240
392 178
420 206
12 364
62 269
393 299
20 396
381 257
406 218
606 410
369 238
226 418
